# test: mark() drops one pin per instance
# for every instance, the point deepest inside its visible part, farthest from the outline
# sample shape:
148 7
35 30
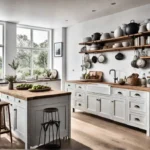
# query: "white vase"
123 27
118 32
148 26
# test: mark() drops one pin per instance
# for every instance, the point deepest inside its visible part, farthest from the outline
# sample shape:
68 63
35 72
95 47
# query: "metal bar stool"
3 128
51 123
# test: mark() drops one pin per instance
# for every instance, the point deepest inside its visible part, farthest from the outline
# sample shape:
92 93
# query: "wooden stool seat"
3 128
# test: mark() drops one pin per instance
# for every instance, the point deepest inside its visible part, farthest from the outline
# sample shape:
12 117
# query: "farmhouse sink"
99 88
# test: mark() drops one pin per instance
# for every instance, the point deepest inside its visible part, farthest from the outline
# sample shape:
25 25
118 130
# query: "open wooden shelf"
116 49
145 57
117 39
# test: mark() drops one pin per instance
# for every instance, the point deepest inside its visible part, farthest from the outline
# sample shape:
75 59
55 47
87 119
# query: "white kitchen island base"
27 115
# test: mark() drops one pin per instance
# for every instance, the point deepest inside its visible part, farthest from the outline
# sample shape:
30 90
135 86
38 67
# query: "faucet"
115 78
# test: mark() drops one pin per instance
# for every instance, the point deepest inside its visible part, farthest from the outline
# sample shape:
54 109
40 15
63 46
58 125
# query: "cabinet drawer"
119 92
20 102
137 106
138 94
137 120
80 87
79 95
79 105
7 98
70 85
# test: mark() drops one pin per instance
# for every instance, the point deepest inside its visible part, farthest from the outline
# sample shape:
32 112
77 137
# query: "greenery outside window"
32 51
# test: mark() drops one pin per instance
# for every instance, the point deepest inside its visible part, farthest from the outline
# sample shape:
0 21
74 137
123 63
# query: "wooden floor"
91 132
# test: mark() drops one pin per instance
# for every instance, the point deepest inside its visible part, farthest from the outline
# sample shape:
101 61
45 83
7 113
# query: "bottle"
143 81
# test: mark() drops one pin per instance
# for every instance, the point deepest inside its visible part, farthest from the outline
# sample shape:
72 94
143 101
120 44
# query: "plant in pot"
14 65
48 73
11 80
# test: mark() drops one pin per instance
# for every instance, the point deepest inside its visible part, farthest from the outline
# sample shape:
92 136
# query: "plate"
40 90
18 88
54 73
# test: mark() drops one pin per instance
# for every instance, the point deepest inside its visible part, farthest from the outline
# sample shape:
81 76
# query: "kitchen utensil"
142 28
132 28
105 36
94 46
87 65
83 49
125 44
94 59
121 81
118 32
148 26
148 40
119 56
96 36
101 58
86 57
87 39
123 27
141 63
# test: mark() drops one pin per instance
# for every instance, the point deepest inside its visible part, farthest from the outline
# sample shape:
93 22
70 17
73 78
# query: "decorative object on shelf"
58 49
143 52
119 56
148 26
101 58
132 28
11 80
87 39
146 21
142 40
125 44
123 27
86 58
116 45
142 28
148 40
105 36
94 47
141 63
137 41
96 36
148 82
88 47
118 32
133 63
121 81
83 49
133 80
54 74
143 81
94 59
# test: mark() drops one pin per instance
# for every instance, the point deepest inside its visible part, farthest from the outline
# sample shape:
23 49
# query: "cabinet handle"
137 119
98 99
10 104
137 106
7 96
112 101
120 93
15 119
19 101
79 104
137 94
80 95
68 84
79 87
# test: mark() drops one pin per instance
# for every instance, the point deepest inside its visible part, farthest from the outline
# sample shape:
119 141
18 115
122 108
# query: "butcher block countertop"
115 85
26 95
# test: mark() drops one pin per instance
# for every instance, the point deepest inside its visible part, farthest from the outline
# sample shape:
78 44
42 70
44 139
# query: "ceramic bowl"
105 36
87 39
116 45
125 44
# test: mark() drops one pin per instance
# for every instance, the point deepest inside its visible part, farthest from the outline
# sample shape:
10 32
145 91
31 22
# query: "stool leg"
0 119
4 123
9 123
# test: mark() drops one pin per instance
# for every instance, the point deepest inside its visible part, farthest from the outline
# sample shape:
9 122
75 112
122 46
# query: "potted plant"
11 80
14 65
48 73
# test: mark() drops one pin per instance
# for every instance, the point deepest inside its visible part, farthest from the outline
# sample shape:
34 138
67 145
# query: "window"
32 51
1 49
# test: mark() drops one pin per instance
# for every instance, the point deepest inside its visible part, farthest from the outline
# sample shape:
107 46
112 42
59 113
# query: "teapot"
96 36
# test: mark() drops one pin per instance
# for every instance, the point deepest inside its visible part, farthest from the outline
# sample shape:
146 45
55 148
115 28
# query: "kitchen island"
27 112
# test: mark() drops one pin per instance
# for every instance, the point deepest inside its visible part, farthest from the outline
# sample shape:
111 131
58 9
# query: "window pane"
23 37
1 62
40 39
1 34
39 61
25 59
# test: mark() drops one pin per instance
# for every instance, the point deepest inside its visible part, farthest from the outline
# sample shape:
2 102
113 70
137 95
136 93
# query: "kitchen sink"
99 88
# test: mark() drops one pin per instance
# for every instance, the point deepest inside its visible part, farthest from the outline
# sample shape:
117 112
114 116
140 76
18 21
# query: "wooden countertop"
26 95
115 85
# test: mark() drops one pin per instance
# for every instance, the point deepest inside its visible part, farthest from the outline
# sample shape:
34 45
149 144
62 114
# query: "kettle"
96 36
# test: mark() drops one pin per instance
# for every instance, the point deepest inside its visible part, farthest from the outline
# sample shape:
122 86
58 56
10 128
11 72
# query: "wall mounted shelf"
145 57
116 49
117 39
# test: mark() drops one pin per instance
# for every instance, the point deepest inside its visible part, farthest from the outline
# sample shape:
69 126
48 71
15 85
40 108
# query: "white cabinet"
118 110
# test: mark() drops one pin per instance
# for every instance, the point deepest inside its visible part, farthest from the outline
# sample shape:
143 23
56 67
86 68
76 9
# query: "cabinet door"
104 107
119 110
91 103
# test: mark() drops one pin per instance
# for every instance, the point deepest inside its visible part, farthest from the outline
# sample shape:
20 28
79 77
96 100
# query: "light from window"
32 51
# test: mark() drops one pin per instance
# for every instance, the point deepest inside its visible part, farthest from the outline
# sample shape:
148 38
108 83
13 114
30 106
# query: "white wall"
76 33
59 63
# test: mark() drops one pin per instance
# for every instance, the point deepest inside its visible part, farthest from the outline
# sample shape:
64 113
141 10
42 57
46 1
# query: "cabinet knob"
19 101
79 104
137 119
137 94
98 99
79 87
120 93
80 95
68 84
10 104
137 106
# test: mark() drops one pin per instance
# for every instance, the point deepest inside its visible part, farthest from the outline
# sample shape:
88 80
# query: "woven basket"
133 81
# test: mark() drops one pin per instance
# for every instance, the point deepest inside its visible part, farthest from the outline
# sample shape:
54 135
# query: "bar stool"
51 123
3 128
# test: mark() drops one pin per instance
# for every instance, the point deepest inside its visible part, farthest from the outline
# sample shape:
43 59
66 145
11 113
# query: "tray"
18 88
40 90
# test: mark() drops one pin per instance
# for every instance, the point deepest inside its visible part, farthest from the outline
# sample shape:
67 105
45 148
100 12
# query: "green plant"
14 65
10 78
48 72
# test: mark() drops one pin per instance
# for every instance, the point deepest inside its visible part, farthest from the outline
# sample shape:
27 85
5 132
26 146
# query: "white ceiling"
53 13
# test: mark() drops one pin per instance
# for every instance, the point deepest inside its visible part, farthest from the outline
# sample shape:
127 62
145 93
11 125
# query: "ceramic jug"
123 27
118 32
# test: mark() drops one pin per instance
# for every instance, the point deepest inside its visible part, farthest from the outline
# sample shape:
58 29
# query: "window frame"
31 28
3 49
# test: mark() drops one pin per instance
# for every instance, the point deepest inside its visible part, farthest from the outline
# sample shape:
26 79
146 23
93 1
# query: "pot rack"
127 37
